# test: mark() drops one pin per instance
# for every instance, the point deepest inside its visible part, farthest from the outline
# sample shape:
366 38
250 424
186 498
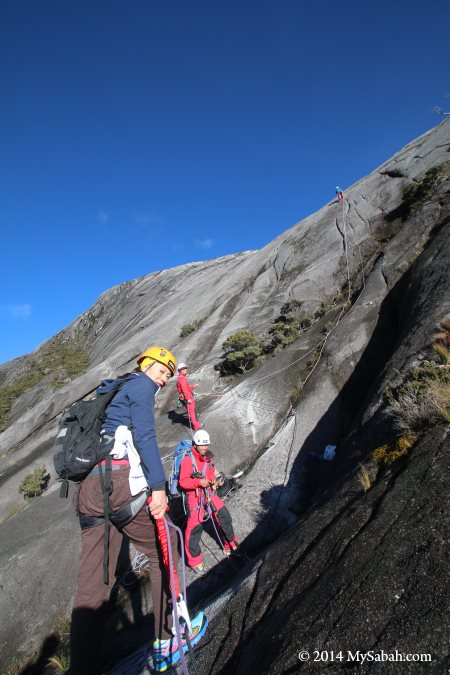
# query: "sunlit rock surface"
344 569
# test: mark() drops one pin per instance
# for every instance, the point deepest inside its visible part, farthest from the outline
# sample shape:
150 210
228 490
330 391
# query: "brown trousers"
92 595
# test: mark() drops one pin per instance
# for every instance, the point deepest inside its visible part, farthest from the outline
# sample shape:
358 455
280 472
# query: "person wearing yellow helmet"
134 470
158 355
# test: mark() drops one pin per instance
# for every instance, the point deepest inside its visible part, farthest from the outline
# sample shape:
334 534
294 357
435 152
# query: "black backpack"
77 449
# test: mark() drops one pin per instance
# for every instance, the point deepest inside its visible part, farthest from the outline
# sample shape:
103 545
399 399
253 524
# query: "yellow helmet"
159 354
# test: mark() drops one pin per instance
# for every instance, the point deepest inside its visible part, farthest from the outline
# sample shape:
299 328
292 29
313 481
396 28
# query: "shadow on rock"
179 418
48 649
311 476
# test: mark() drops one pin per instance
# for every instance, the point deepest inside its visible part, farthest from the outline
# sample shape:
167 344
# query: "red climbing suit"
186 394
202 503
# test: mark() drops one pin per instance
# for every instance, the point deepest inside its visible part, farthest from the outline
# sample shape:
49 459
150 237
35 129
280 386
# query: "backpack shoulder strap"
189 454
106 489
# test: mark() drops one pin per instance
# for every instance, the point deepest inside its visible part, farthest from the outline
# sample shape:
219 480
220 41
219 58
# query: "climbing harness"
138 661
180 610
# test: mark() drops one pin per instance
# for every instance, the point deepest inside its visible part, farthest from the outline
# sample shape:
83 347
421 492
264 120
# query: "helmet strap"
148 365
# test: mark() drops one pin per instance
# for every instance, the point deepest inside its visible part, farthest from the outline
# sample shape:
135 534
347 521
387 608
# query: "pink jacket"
184 389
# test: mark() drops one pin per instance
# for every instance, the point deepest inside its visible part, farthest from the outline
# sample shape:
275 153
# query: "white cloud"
204 243
16 311
145 220
102 216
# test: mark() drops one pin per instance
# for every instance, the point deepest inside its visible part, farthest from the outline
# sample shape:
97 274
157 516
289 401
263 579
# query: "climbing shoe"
167 653
235 552
231 548
199 569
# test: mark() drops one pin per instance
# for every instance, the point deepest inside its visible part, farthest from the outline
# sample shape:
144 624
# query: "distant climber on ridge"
339 193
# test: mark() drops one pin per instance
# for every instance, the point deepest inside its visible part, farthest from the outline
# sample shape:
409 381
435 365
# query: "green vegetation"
34 484
241 351
286 328
416 193
62 361
8 394
289 309
281 335
65 361
189 328
419 192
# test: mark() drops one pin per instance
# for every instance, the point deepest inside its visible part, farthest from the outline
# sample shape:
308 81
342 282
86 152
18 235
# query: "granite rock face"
337 557
361 573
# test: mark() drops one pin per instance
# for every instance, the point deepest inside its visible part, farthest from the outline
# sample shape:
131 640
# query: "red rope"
164 544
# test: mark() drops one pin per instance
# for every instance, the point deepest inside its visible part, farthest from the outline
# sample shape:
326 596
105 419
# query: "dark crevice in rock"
249 602
393 173
341 233
383 274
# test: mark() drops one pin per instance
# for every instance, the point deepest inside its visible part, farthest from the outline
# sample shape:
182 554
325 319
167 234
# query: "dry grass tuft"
442 352
422 400
364 477
440 398
59 663
392 451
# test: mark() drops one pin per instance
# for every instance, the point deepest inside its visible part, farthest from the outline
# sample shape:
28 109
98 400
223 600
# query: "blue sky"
141 135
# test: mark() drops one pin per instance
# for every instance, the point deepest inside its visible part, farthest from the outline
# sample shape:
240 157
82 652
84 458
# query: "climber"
135 470
339 193
186 396
198 481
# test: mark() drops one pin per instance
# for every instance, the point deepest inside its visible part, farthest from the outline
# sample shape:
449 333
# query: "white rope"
346 249
321 344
